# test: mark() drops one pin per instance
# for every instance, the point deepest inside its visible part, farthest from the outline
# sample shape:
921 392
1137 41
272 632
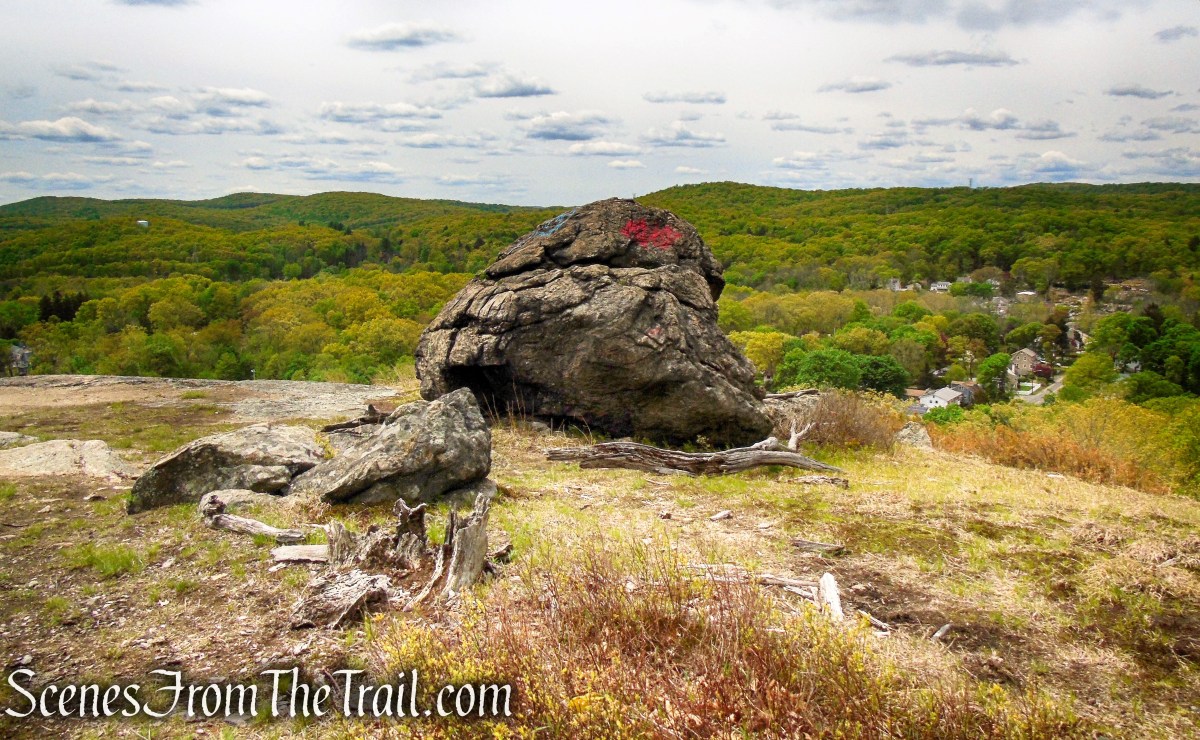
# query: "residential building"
970 390
1022 362
941 398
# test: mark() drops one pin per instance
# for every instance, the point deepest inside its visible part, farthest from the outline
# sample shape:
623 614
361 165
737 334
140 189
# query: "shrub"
1103 440
851 419
946 415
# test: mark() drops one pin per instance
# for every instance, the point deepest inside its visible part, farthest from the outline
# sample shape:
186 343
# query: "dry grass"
1065 597
1048 451
621 640
1103 440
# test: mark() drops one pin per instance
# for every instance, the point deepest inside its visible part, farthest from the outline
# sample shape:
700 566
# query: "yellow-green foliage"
348 327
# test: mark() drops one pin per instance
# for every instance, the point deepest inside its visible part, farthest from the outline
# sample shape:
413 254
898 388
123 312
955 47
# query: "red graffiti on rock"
662 237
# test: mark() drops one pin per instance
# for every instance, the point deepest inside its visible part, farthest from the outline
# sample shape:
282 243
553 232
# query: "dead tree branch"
636 456
216 518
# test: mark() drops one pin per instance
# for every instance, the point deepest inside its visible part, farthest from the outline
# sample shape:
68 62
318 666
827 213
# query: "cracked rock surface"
604 316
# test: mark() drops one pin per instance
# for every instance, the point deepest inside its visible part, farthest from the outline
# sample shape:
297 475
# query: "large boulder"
604 316
261 458
421 451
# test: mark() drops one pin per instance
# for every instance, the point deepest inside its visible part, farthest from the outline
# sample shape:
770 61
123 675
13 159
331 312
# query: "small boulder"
914 434
261 458
92 458
235 499
422 450
343 439
15 439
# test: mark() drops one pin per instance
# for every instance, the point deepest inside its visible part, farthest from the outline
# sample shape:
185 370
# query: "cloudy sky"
533 102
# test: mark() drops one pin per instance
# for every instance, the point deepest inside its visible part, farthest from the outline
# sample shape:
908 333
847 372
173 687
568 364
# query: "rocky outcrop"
604 316
261 458
421 451
91 458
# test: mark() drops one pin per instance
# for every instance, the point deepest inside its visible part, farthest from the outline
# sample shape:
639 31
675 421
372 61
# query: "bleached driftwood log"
636 456
301 554
216 518
792 394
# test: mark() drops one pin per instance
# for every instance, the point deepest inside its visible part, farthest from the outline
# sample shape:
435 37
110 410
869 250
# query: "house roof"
947 394
913 392
1026 352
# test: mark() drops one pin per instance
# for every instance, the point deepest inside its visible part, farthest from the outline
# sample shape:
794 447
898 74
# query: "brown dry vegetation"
1072 604
1103 440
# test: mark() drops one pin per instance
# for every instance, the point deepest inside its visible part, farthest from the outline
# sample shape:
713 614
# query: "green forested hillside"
338 285
1075 235
1069 234
250 236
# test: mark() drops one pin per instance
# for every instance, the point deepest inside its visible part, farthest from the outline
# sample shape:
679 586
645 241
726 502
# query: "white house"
941 286
941 398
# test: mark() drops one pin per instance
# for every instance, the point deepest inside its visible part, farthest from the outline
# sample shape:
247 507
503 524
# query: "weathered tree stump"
346 589
460 561
337 598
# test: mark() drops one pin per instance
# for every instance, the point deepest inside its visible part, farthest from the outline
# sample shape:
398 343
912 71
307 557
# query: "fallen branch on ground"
812 546
216 518
792 394
820 480
372 416
824 593
634 456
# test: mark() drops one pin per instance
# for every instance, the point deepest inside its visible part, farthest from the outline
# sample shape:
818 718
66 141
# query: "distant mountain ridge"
244 211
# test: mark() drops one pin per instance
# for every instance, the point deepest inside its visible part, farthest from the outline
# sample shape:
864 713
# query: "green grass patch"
108 562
